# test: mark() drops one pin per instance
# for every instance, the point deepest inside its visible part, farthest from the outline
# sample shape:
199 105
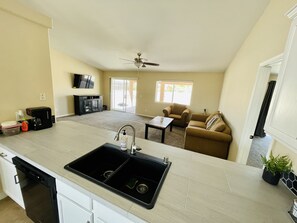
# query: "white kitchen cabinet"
103 214
74 206
77 207
98 220
282 121
9 177
70 212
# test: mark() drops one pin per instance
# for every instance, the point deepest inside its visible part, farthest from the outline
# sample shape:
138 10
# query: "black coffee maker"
41 117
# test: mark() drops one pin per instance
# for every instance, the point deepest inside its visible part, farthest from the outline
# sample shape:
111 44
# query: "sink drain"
142 188
107 173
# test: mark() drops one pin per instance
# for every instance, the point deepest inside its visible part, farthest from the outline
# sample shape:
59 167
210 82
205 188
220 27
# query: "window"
174 92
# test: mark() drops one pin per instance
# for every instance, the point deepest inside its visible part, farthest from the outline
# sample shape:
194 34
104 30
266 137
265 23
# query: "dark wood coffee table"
161 123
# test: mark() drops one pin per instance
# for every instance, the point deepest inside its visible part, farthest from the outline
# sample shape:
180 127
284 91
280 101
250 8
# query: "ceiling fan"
140 62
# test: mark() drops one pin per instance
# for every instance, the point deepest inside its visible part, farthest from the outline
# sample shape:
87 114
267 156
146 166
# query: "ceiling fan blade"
140 62
151 64
127 60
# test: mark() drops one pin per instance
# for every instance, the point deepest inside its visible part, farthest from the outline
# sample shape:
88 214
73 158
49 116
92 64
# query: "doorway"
123 95
260 139
263 76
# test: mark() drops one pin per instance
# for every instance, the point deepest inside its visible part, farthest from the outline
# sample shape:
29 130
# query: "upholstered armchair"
179 113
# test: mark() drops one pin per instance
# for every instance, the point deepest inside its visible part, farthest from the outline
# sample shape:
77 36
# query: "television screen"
83 81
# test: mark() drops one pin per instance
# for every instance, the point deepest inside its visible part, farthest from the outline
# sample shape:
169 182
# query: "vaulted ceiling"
189 36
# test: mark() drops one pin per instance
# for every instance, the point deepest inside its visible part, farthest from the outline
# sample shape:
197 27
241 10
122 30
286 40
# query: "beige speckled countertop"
198 188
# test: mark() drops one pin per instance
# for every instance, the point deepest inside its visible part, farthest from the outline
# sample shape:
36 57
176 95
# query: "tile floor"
11 212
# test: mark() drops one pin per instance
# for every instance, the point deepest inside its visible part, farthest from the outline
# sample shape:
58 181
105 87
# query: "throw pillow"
219 126
211 121
211 116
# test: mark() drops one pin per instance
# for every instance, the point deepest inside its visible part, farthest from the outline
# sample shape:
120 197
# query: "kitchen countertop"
198 188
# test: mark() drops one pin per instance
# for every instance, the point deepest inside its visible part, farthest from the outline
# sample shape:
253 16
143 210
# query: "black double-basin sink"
137 177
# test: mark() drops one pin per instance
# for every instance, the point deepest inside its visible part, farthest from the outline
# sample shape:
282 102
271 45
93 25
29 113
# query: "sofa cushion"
197 124
178 109
218 126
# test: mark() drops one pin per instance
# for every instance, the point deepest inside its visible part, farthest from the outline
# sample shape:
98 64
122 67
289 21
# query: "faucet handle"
134 148
138 148
165 160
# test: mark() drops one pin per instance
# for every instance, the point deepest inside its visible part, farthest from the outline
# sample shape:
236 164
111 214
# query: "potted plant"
275 167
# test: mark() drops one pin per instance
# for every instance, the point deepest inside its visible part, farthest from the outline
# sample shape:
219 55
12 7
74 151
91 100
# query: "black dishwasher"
39 192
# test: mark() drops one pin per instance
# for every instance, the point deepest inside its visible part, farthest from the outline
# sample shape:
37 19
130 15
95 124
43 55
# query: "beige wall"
266 40
279 148
25 69
206 90
273 77
63 68
24 60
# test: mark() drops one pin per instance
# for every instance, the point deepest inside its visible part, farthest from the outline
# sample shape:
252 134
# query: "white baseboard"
149 116
71 114
60 116
2 195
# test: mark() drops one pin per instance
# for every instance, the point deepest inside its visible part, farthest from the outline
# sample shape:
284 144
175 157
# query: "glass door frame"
125 94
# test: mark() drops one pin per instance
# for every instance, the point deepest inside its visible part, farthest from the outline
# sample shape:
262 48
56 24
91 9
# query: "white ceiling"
189 36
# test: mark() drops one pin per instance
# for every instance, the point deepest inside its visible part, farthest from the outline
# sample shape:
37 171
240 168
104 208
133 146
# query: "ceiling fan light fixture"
138 63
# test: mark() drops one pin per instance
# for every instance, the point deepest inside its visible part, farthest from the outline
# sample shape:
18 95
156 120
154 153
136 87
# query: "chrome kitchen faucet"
133 145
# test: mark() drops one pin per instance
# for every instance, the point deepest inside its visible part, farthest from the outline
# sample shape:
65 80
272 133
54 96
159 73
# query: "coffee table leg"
163 136
146 132
171 127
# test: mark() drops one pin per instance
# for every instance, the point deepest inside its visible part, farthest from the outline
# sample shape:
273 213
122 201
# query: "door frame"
254 107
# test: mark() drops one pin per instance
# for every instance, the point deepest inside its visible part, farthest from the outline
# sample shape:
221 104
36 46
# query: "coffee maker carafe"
42 117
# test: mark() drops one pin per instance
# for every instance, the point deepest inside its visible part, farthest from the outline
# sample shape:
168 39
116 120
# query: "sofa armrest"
185 114
199 117
212 135
167 111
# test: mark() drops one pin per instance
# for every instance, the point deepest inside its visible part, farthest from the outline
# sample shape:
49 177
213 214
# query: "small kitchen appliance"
42 117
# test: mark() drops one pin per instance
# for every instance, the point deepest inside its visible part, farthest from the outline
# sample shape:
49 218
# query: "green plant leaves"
281 164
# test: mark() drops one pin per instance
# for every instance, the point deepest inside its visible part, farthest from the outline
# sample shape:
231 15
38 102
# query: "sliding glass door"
123 94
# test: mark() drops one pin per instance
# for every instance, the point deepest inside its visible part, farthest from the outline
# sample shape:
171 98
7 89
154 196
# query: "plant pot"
270 178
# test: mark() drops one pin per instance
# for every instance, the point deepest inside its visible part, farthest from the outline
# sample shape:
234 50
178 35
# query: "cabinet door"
282 121
98 220
103 214
88 106
70 212
8 176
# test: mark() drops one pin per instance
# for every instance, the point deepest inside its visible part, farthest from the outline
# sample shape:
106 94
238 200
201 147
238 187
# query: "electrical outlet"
42 96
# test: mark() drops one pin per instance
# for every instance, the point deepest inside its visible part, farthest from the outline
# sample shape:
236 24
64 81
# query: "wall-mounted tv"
83 81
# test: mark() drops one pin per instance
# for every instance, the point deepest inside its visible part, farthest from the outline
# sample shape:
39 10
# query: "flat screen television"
83 81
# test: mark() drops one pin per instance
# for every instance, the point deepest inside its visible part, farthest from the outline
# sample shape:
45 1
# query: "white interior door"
123 94
255 107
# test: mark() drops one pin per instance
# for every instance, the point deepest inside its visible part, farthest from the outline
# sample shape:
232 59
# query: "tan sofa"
209 135
180 114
